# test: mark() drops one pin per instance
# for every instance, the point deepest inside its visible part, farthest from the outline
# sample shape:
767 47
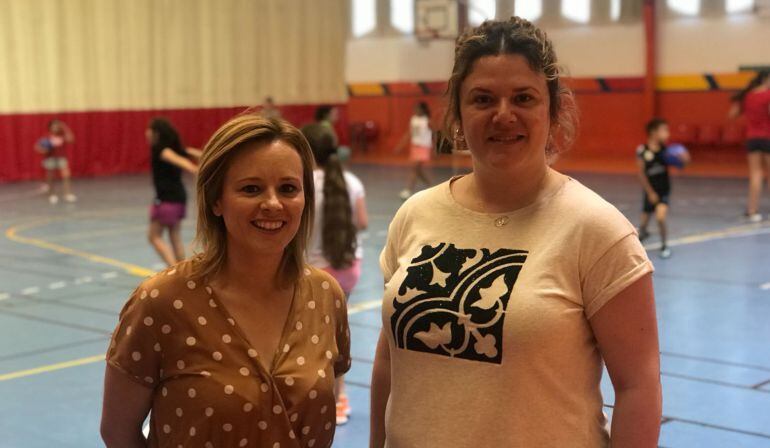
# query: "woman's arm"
125 406
362 217
734 111
380 393
194 152
168 155
627 335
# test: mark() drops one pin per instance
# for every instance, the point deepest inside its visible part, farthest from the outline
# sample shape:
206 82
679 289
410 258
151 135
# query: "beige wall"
143 54
686 46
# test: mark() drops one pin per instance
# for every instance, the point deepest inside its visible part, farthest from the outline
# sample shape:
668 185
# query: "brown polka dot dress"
209 387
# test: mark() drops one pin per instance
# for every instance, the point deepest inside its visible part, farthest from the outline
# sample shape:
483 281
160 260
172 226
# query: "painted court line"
29 291
353 309
765 286
12 233
4 296
57 285
51 367
732 232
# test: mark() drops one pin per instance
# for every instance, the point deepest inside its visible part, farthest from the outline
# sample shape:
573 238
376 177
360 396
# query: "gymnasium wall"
107 66
698 62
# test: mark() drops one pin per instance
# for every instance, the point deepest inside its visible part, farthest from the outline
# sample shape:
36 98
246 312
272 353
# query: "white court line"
108 275
29 291
358 307
4 296
765 286
57 285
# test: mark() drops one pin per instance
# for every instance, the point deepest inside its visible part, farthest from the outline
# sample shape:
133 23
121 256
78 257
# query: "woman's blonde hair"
248 130
515 36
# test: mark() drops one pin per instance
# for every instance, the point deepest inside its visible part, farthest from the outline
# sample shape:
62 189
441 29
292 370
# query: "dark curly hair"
515 36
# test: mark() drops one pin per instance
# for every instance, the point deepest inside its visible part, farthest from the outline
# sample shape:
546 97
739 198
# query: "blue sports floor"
65 271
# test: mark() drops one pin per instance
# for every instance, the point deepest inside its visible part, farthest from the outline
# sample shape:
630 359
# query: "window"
733 6
529 9
364 16
615 10
480 10
402 15
686 7
577 10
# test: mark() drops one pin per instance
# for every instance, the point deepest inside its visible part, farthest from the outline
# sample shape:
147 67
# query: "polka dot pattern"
222 388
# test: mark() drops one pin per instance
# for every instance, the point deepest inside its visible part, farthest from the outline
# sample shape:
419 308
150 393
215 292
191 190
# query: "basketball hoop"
435 20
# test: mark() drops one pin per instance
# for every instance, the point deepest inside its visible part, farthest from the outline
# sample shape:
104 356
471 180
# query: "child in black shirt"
654 177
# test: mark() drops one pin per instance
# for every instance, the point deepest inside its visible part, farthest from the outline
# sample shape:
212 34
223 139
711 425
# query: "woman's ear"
216 209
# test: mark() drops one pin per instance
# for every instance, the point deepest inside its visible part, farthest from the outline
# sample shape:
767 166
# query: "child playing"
420 136
52 147
653 174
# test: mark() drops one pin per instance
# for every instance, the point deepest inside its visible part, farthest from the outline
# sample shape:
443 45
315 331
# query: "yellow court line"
730 232
52 367
12 234
353 309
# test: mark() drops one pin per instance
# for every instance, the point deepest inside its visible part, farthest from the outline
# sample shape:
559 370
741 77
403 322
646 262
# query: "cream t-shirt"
486 316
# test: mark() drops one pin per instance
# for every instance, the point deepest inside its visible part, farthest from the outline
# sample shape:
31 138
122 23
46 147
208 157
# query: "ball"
676 155
45 143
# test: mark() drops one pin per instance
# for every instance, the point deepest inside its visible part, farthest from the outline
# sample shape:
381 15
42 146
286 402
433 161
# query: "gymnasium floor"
66 270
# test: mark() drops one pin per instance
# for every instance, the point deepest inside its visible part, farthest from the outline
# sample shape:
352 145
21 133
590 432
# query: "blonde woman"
240 345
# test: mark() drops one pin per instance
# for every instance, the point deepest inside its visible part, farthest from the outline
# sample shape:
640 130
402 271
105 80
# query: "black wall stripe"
712 82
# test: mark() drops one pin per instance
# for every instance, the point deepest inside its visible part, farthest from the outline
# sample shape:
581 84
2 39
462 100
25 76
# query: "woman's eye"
524 98
251 189
482 99
289 188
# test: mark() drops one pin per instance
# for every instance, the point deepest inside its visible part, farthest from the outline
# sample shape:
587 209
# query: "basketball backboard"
436 19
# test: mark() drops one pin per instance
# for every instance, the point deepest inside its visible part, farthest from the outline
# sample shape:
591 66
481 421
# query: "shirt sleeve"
343 361
620 266
134 348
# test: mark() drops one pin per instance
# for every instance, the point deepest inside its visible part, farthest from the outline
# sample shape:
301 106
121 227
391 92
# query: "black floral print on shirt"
452 301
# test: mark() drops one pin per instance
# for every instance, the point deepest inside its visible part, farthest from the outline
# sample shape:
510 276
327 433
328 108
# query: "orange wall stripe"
666 83
370 89
682 83
733 81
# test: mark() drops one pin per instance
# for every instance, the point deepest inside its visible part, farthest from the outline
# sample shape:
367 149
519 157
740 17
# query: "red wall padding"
611 123
113 142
